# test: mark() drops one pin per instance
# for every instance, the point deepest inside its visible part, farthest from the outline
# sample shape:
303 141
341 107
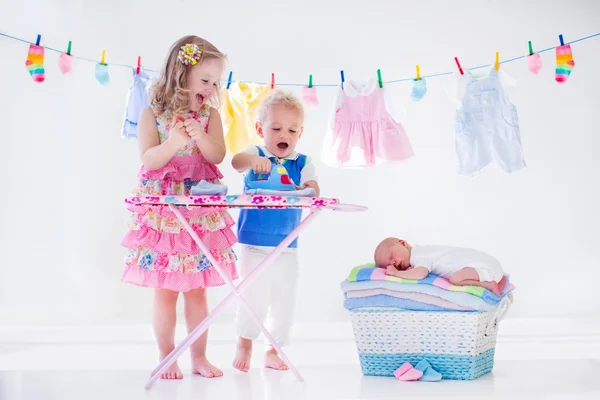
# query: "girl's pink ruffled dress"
161 253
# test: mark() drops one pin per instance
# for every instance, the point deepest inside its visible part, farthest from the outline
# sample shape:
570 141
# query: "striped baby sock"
35 63
564 63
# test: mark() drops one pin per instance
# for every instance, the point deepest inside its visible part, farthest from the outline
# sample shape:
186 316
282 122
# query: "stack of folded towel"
369 287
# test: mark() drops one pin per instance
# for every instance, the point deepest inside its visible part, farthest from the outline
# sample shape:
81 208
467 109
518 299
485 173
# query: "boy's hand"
391 270
314 185
261 165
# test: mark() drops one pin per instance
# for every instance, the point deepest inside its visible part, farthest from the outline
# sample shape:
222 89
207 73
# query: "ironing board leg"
235 291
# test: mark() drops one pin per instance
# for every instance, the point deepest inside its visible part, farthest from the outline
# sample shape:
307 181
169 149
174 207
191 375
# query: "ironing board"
315 204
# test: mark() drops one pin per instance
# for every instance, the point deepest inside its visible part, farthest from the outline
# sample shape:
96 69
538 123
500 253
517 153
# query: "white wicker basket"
459 345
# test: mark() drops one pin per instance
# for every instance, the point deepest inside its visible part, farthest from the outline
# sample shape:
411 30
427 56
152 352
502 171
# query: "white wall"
65 169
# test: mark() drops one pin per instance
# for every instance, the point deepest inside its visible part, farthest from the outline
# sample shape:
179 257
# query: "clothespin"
562 42
342 74
229 79
418 73
530 48
139 64
458 65
272 81
37 41
102 59
69 48
497 65
379 78
310 81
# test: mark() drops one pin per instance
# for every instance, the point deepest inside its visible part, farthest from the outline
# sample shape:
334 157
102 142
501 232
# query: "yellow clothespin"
497 61
102 59
418 72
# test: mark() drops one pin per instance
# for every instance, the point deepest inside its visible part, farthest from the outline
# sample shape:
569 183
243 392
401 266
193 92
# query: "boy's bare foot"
243 355
273 361
201 366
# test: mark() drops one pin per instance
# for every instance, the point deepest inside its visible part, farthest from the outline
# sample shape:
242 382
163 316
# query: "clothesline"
316 84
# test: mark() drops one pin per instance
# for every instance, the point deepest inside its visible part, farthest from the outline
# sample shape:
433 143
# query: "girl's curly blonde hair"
169 92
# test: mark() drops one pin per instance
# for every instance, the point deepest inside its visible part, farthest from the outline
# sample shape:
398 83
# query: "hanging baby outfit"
137 100
240 103
362 131
487 126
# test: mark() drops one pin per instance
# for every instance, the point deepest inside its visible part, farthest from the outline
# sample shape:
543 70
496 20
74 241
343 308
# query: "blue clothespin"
37 42
342 74
562 42
229 79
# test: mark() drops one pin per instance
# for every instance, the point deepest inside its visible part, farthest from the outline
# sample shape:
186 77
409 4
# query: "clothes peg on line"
530 48
497 65
379 78
310 81
139 65
458 65
229 79
418 73
343 79
272 80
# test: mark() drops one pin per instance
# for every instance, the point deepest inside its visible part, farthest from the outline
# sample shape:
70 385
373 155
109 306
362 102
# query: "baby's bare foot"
272 360
201 366
502 284
493 287
243 355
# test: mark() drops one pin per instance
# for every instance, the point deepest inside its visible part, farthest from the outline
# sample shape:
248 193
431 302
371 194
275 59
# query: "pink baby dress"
362 132
161 253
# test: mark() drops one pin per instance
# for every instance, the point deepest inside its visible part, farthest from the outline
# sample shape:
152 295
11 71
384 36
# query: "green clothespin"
530 48
379 78
310 81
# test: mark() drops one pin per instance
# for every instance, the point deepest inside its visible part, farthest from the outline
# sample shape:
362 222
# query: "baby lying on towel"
461 266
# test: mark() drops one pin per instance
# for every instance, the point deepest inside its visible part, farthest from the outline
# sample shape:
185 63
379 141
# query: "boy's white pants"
274 291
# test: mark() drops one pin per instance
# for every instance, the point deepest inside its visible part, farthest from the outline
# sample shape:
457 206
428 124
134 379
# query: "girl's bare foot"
243 355
173 372
272 360
201 366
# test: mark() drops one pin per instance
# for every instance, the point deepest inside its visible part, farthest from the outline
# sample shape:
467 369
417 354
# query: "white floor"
542 359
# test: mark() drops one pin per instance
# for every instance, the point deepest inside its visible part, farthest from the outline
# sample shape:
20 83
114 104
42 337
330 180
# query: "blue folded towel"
460 298
204 188
382 300
306 192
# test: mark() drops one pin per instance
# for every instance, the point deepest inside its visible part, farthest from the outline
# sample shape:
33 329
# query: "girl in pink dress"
180 141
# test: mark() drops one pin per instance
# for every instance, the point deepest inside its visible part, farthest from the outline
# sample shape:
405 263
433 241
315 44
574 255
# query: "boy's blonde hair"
169 92
279 97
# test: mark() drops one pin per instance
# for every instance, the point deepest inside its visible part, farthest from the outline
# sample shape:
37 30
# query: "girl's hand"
261 165
193 128
178 135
